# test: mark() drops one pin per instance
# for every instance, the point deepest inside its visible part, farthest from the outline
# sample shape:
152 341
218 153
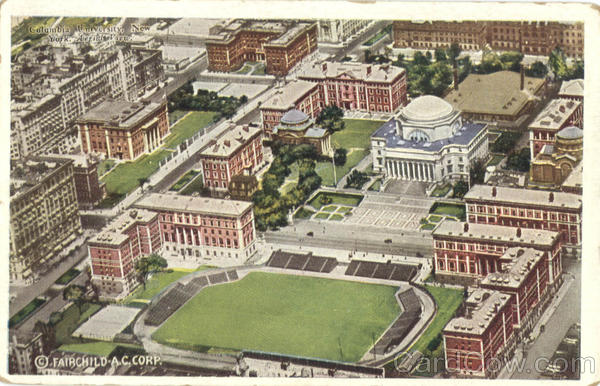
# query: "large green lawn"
298 315
356 133
188 126
125 177
325 169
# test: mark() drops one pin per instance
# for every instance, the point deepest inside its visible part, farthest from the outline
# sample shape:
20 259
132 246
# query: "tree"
141 182
557 61
519 161
76 294
440 55
368 56
453 53
331 118
340 156
243 99
356 179
511 60
460 189
420 60
477 171
148 265
537 70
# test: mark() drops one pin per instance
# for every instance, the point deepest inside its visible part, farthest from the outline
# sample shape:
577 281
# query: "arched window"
419 136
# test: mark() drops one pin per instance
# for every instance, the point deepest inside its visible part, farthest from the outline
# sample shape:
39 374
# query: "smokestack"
494 191
324 67
518 232
551 197
522 77
368 70
466 227
455 73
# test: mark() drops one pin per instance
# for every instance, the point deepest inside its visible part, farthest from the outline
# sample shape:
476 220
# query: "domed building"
297 128
428 141
554 163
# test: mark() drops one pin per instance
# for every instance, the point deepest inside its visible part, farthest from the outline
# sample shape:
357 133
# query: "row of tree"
204 100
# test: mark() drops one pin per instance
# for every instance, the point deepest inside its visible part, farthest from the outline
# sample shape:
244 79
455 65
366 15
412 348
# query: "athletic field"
297 315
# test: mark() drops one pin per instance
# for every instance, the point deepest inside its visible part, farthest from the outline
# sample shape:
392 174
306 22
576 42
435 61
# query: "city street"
567 313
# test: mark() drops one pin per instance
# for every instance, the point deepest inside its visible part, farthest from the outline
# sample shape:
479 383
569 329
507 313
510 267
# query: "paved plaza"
390 212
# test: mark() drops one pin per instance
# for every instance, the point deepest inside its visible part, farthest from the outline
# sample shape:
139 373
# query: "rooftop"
235 138
572 87
485 305
427 108
119 113
285 30
555 114
571 132
294 117
198 205
575 178
360 71
113 232
495 233
27 173
516 265
496 93
463 136
286 97
523 196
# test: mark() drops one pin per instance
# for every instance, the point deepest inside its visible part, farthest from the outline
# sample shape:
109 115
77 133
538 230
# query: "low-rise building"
524 275
557 115
123 130
296 128
201 229
527 208
357 86
428 140
503 98
279 44
465 253
298 94
554 163
115 250
44 215
478 342
469 35
239 149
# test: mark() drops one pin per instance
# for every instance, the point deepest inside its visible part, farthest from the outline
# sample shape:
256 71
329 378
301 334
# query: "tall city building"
44 216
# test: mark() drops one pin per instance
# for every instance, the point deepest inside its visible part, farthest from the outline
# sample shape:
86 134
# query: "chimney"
551 197
522 77
455 73
466 227
518 232
494 191
245 128
324 67
227 143
368 70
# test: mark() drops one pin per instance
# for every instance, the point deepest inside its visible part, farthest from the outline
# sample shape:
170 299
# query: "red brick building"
476 342
557 115
115 250
239 150
465 253
358 86
296 95
524 275
203 228
528 209
90 191
123 130
190 230
279 44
